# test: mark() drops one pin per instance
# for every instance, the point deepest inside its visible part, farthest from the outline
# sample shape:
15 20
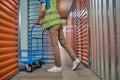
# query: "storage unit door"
104 38
33 12
8 38
81 30
118 37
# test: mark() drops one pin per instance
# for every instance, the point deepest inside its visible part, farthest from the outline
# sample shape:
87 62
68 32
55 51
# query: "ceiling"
64 7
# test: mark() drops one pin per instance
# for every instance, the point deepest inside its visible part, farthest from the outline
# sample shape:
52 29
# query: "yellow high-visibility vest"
51 16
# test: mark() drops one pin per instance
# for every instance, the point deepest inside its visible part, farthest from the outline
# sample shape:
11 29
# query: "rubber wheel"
38 64
29 68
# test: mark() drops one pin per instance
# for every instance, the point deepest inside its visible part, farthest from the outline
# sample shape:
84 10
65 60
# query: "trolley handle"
33 26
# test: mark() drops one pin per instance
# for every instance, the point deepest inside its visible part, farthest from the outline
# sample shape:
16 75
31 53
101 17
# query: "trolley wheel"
38 64
28 68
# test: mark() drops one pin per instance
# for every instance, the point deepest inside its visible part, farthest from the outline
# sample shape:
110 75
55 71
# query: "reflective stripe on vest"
49 13
50 20
51 16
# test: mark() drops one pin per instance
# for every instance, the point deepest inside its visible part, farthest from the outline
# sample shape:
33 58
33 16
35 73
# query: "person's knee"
54 44
63 44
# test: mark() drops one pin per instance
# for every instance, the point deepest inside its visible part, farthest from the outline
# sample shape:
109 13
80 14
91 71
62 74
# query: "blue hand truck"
34 56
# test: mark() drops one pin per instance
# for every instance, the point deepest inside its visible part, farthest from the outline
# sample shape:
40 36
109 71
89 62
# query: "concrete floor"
82 73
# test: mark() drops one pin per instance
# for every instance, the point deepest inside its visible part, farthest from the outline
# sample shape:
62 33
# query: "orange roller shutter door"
82 30
8 38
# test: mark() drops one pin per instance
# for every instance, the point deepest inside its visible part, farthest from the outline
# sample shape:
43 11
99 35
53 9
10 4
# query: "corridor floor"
82 73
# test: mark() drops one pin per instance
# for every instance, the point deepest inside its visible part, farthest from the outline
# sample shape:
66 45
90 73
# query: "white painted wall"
23 23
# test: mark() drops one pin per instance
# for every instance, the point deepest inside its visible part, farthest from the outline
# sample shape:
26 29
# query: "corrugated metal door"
81 30
33 11
103 38
8 38
118 37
